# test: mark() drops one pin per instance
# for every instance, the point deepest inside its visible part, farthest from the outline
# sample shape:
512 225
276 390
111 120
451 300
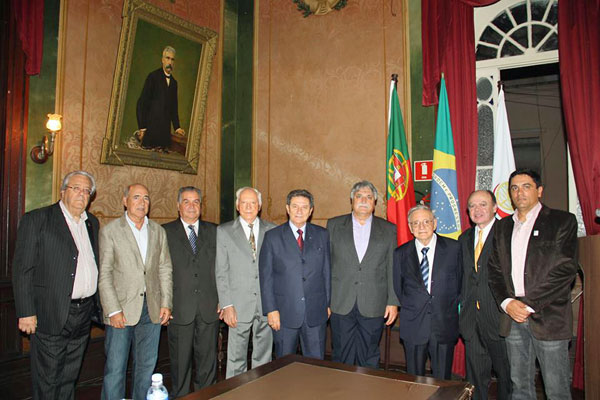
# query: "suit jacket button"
304 279
72 275
302 299
360 269
195 275
141 294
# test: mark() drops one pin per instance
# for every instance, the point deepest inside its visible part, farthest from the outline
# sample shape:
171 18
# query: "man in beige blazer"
136 291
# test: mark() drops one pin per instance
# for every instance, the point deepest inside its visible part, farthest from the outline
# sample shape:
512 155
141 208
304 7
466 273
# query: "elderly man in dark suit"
157 107
295 280
194 329
55 279
531 272
479 314
427 280
362 287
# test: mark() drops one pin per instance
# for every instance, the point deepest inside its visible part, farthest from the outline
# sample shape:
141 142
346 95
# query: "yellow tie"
478 248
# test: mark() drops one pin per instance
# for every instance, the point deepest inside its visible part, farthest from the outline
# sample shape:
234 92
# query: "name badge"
536 233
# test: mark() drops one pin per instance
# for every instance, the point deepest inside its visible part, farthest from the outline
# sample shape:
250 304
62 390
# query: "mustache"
169 67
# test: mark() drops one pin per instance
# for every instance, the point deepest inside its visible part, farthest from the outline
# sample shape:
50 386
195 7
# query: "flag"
400 189
444 192
504 160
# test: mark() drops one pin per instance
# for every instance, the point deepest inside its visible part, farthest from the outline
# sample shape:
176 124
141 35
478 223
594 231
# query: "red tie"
300 240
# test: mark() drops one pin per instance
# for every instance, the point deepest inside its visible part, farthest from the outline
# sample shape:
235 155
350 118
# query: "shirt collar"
83 217
195 224
295 228
487 229
356 222
431 243
243 222
132 224
533 213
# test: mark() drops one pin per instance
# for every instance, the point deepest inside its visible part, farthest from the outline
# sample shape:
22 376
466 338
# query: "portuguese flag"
400 189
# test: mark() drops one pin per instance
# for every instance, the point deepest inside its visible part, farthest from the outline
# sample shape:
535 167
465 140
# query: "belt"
81 301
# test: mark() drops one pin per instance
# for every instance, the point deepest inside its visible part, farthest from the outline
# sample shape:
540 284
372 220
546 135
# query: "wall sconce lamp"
39 154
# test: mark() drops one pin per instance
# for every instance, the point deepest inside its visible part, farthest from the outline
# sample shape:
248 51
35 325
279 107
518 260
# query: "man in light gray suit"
136 291
238 247
362 289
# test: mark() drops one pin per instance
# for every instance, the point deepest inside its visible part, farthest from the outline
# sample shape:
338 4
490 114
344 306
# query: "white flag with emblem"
504 160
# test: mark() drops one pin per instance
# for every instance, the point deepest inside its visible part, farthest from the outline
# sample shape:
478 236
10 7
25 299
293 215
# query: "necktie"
300 240
252 241
425 266
193 238
478 248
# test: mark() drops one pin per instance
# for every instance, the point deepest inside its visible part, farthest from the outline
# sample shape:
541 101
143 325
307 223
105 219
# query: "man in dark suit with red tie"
295 280
427 280
531 271
479 314
55 279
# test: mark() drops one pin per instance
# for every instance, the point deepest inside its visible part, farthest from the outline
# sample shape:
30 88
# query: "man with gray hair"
194 329
238 249
157 107
55 279
362 287
427 280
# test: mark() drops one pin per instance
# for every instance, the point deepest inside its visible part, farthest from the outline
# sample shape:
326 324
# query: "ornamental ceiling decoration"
319 7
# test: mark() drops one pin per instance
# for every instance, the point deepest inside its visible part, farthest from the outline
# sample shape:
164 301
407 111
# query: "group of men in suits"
281 284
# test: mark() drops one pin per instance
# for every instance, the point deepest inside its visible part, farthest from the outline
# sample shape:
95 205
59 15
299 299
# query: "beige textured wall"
321 94
92 37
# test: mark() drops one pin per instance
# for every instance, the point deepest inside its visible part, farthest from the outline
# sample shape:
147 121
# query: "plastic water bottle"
157 391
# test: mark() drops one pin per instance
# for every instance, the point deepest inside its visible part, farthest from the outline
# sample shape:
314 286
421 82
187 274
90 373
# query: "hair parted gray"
240 190
188 189
363 184
67 177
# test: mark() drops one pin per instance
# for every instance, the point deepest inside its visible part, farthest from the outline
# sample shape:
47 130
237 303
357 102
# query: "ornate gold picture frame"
145 32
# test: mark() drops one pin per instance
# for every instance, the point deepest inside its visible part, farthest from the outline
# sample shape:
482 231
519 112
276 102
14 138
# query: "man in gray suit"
362 288
238 247
136 291
194 330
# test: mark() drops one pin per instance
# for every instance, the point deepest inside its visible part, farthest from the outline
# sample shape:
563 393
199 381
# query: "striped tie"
193 238
425 266
478 248
252 240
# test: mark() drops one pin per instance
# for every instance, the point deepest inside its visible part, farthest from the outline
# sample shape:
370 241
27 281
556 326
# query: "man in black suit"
55 279
479 314
427 280
295 280
362 286
157 107
194 329
531 271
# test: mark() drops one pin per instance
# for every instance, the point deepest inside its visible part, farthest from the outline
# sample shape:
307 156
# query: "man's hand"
517 310
165 316
273 320
230 316
391 312
328 312
180 132
118 320
28 324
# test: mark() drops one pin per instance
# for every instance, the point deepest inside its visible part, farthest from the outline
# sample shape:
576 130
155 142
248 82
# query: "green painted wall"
422 118
236 132
42 90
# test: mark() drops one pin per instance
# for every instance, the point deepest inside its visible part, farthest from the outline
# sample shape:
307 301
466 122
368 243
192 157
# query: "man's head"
168 60
363 197
76 190
137 201
189 204
299 206
422 223
525 187
248 202
482 207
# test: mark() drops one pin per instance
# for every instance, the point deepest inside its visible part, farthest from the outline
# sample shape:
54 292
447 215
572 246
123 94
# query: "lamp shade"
54 122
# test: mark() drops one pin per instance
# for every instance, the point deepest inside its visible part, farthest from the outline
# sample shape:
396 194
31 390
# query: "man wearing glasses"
55 277
427 281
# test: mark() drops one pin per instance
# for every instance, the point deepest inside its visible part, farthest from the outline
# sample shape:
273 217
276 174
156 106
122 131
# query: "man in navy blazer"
295 280
427 280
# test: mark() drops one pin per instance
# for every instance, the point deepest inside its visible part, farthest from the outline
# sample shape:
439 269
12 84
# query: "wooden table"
295 377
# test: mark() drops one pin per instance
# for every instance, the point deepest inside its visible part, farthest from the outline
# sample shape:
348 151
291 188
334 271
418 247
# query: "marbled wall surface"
92 38
321 98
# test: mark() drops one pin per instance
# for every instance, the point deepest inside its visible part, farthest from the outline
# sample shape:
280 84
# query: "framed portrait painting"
159 92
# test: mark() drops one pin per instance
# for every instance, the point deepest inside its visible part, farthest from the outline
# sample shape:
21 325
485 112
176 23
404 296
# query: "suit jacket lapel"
62 226
182 232
375 237
415 267
471 247
290 239
262 229
241 240
347 238
438 261
131 242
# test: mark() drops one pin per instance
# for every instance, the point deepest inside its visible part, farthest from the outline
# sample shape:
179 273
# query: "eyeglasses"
80 190
427 223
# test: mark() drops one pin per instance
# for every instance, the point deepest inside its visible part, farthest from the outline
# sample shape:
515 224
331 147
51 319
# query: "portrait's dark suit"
195 325
366 285
429 318
298 285
479 321
44 268
157 109
550 269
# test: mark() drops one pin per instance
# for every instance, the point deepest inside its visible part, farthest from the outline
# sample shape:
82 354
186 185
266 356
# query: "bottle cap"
157 378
